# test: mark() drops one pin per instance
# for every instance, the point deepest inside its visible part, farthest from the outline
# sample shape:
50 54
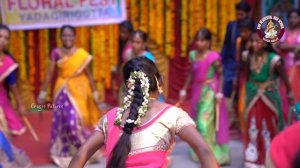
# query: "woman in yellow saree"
75 98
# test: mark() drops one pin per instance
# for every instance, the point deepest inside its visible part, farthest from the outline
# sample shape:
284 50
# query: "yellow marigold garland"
184 27
170 27
134 12
144 5
30 50
160 19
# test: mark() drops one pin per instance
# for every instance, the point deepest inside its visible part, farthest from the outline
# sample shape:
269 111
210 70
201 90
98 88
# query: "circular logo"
270 28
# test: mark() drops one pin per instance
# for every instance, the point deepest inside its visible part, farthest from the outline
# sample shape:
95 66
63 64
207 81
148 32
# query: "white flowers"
130 95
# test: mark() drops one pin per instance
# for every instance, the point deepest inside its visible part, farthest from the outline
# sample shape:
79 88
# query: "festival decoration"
155 17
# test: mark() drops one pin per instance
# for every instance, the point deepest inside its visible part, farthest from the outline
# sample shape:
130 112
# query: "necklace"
259 62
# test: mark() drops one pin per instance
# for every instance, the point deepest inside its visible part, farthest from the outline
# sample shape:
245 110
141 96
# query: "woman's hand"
42 97
219 97
291 98
182 94
21 109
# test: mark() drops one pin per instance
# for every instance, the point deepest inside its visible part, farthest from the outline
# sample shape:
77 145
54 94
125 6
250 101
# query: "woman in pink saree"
289 47
142 131
10 122
207 105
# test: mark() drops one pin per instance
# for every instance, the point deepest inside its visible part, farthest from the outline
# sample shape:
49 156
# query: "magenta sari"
201 78
292 67
9 121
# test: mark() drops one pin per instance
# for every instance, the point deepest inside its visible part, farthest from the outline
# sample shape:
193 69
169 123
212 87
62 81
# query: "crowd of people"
252 86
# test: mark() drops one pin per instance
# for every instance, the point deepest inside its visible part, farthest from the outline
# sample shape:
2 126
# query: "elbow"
205 151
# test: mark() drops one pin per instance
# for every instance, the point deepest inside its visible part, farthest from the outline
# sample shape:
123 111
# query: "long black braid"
118 157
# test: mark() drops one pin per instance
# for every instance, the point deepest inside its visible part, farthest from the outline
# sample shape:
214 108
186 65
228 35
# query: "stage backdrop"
36 14
171 25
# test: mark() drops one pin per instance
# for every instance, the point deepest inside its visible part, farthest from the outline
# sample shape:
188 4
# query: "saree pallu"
73 109
263 112
9 121
205 87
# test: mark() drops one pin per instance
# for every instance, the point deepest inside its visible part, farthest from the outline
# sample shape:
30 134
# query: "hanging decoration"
155 17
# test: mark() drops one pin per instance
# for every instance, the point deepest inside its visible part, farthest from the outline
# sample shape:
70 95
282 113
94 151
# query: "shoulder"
82 51
149 55
9 59
273 57
214 56
192 55
231 24
245 55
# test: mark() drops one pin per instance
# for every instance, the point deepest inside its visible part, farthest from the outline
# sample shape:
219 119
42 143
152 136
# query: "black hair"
5 27
141 34
297 11
128 25
72 28
121 150
243 6
205 33
268 46
248 24
296 161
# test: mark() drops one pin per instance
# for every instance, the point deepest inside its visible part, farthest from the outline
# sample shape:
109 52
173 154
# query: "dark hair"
206 34
121 150
141 34
248 24
297 11
72 28
5 27
296 161
268 46
128 25
243 6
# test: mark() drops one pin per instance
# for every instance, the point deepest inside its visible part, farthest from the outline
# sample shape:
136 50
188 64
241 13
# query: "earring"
160 90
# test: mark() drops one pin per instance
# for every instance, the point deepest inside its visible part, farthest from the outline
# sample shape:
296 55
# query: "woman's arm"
94 143
219 69
287 47
49 76
182 93
21 108
198 144
91 79
282 74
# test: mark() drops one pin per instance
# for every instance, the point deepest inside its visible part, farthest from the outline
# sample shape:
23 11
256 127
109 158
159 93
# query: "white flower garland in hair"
130 95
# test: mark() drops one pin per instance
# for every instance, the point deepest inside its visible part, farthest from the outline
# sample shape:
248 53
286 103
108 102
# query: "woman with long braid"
142 131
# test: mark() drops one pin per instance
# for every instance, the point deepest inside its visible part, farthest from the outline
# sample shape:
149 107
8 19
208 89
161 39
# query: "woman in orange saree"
75 98
142 131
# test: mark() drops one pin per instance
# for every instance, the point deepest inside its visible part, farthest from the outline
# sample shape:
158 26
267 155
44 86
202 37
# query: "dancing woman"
139 46
142 131
289 48
10 123
75 97
206 77
263 111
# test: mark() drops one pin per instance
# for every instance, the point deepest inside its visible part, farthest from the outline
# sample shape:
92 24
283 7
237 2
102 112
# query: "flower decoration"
130 95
